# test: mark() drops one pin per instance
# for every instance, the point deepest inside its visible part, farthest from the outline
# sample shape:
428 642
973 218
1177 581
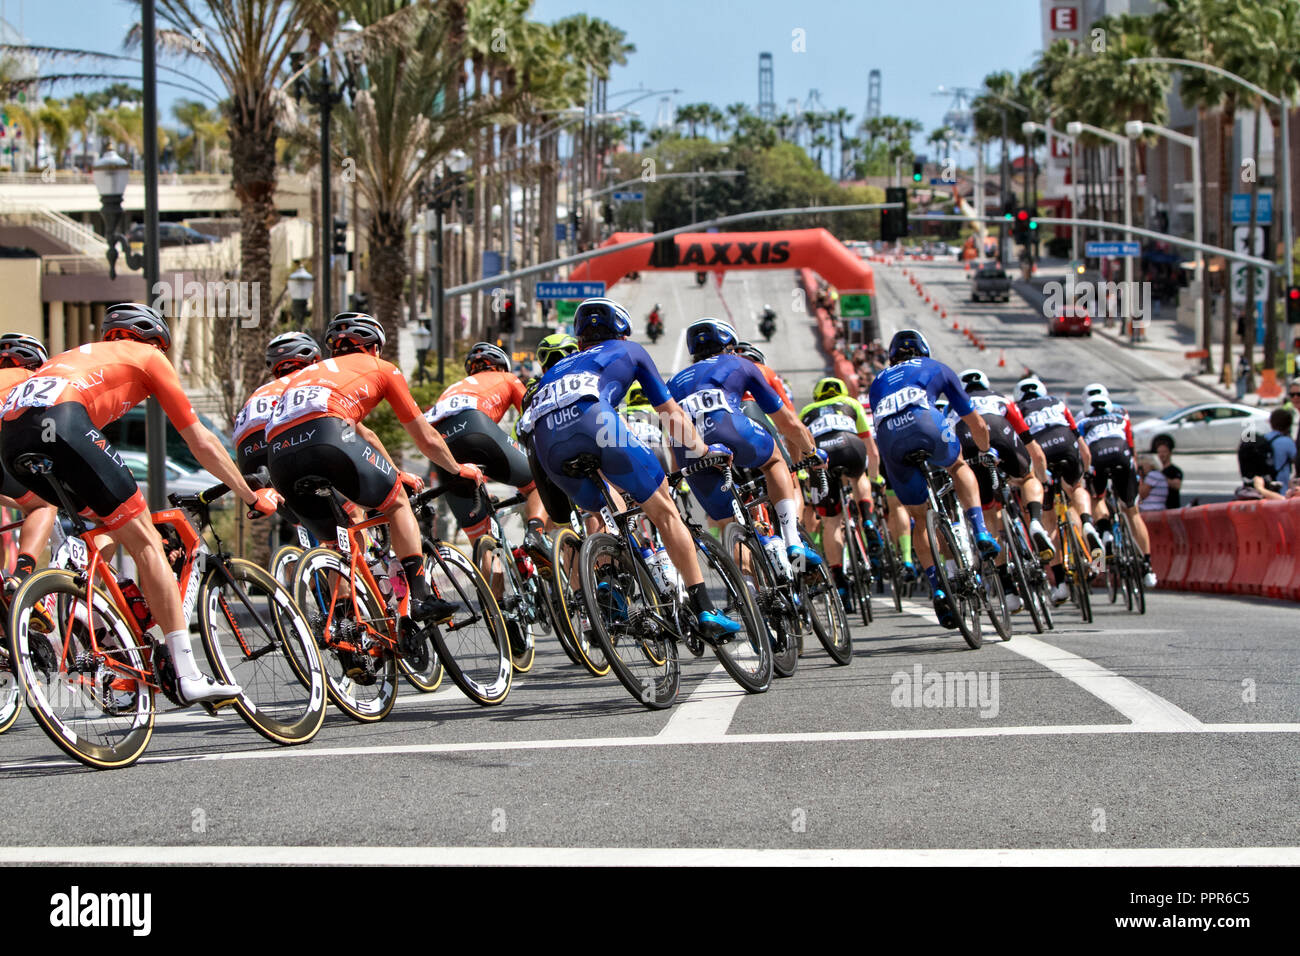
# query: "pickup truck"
990 282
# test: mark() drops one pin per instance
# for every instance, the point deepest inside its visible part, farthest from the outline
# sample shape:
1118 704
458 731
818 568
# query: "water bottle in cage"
655 562
524 563
963 541
775 548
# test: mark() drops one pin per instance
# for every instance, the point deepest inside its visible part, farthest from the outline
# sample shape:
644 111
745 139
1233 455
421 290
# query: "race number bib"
254 415
525 423
300 402
35 393
824 424
987 404
706 401
450 406
645 431
1049 417
901 400
566 391
1106 430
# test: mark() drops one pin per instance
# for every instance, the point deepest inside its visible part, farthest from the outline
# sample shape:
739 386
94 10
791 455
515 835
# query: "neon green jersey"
838 414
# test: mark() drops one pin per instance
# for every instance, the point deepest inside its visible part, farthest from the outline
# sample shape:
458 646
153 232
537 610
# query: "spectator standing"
1154 490
1282 444
1173 475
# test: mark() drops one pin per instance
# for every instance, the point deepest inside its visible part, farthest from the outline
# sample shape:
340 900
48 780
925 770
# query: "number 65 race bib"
300 402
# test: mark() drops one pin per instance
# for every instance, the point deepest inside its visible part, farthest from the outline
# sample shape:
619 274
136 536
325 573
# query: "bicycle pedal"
214 706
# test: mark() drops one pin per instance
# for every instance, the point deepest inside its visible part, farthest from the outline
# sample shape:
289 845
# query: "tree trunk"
1270 317
387 233
252 149
1226 120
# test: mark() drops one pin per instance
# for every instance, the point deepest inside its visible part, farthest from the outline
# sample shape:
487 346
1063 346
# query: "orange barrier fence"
1241 547
842 367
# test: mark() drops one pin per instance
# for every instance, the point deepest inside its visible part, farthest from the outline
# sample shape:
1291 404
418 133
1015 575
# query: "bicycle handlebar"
721 462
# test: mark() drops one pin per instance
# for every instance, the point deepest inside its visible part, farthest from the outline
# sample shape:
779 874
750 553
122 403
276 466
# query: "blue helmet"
906 344
601 319
709 336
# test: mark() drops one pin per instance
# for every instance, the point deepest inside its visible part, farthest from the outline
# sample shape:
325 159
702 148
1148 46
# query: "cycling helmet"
1031 387
291 351
136 322
635 396
354 332
829 388
22 351
1093 391
555 347
705 337
601 318
906 344
751 352
486 355
973 379
1102 404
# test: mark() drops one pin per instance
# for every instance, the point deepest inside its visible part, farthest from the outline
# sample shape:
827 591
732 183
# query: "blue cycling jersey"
914 385
603 372
721 381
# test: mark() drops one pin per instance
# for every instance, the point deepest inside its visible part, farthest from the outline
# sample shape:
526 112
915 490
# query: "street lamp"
301 284
1134 129
446 186
111 174
1077 129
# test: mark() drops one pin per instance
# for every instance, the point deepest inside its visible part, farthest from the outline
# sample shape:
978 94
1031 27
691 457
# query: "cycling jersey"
643 422
1053 427
474 438
575 413
846 454
1007 435
835 415
554 500
10 487
347 387
778 385
250 425
1110 440
902 399
108 379
491 393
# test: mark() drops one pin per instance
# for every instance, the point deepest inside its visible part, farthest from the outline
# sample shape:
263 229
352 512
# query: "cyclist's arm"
1037 456
979 429
427 438
796 432
212 455
873 455
1085 453
680 428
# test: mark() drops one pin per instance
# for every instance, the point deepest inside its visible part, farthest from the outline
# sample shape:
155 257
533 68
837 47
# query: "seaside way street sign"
629 197
1122 249
570 290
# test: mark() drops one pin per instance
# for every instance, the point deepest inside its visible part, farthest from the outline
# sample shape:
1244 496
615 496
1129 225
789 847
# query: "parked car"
990 282
180 480
1209 426
1069 319
127 434
171 234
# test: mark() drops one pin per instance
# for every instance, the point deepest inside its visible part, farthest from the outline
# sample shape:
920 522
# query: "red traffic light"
1293 293
1022 215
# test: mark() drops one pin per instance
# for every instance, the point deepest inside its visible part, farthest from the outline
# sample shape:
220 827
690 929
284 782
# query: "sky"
709 48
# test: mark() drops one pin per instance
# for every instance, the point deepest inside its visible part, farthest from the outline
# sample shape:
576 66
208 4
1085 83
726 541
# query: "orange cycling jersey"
9 377
778 386
489 392
109 379
257 410
346 387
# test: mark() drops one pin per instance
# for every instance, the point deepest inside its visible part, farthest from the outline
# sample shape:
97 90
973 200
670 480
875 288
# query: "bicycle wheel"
818 594
893 565
266 647
960 591
1024 573
97 713
858 565
360 670
284 563
11 695
575 630
489 554
1080 584
995 599
642 655
747 657
474 645
744 550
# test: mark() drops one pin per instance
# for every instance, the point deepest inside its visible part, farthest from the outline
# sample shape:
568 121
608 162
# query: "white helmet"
1102 403
1031 387
1095 390
973 378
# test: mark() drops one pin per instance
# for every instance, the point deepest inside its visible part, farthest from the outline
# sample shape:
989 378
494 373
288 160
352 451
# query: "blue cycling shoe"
612 600
910 572
716 627
944 609
988 546
801 553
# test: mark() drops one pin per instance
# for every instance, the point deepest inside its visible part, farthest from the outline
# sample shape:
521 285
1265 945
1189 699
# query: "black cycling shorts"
473 438
846 455
251 453
1119 473
101 485
1066 464
330 448
1013 457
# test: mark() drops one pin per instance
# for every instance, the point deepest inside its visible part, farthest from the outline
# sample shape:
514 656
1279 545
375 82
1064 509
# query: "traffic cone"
936 307
943 313
1002 358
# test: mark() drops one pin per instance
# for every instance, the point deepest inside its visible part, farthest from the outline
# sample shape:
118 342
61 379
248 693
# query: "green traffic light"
1033 224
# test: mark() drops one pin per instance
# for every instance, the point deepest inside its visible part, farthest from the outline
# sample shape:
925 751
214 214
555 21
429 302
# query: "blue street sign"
936 181
561 231
1241 209
629 197
569 290
1095 250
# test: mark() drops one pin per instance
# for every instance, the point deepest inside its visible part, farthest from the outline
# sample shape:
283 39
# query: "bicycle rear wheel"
1019 554
489 554
747 657
995 599
11 695
474 645
1081 585
744 550
642 655
98 714
859 567
960 591
266 647
818 593
575 630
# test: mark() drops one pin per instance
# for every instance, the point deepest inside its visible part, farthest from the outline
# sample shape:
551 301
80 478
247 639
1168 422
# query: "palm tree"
840 117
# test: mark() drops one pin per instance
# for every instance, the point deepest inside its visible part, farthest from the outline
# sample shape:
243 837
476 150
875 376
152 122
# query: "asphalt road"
1176 734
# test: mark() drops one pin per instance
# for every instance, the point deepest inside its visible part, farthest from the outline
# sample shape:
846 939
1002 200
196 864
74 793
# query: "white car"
180 480
1209 426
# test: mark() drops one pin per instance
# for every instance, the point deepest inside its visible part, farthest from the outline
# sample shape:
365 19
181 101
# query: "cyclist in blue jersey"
575 413
903 399
711 391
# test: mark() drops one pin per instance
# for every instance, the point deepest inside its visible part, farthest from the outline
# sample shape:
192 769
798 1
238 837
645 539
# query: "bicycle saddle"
918 457
312 485
581 466
35 463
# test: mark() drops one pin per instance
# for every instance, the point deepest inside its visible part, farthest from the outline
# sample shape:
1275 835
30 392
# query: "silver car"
180 480
1209 426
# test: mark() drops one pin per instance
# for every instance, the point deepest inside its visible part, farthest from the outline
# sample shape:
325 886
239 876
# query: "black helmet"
485 353
353 332
131 320
291 351
906 344
22 351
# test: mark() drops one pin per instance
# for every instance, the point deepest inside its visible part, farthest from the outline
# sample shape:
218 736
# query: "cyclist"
643 422
767 322
654 323
710 389
78 393
840 428
20 355
575 416
750 407
903 401
316 429
1054 428
285 354
1109 435
467 415
550 350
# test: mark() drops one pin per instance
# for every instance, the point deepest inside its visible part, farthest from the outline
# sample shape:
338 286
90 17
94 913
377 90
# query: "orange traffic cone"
943 313
1002 358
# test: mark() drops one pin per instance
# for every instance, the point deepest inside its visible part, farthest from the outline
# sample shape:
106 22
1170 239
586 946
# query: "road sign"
1095 250
855 305
1251 246
1241 209
629 197
569 290
565 311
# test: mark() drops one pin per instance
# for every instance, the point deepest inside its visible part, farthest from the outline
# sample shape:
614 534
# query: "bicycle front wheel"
743 549
474 645
575 631
747 657
818 593
284 565
256 637
859 567
489 556
11 695
91 700
995 599
955 584
1080 585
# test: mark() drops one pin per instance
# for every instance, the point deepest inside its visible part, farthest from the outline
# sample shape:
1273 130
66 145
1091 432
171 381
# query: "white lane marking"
707 713
1146 710
645 856
582 743
180 717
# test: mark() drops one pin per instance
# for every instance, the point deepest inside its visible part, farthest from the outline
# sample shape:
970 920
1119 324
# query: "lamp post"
111 174
301 283
1076 129
321 92
1134 129
446 185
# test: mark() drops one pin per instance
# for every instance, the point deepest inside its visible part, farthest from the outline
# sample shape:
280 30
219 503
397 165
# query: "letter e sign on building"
1065 19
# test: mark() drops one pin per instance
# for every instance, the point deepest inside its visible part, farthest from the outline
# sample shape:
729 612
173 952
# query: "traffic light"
918 171
1023 224
1293 305
340 237
893 222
